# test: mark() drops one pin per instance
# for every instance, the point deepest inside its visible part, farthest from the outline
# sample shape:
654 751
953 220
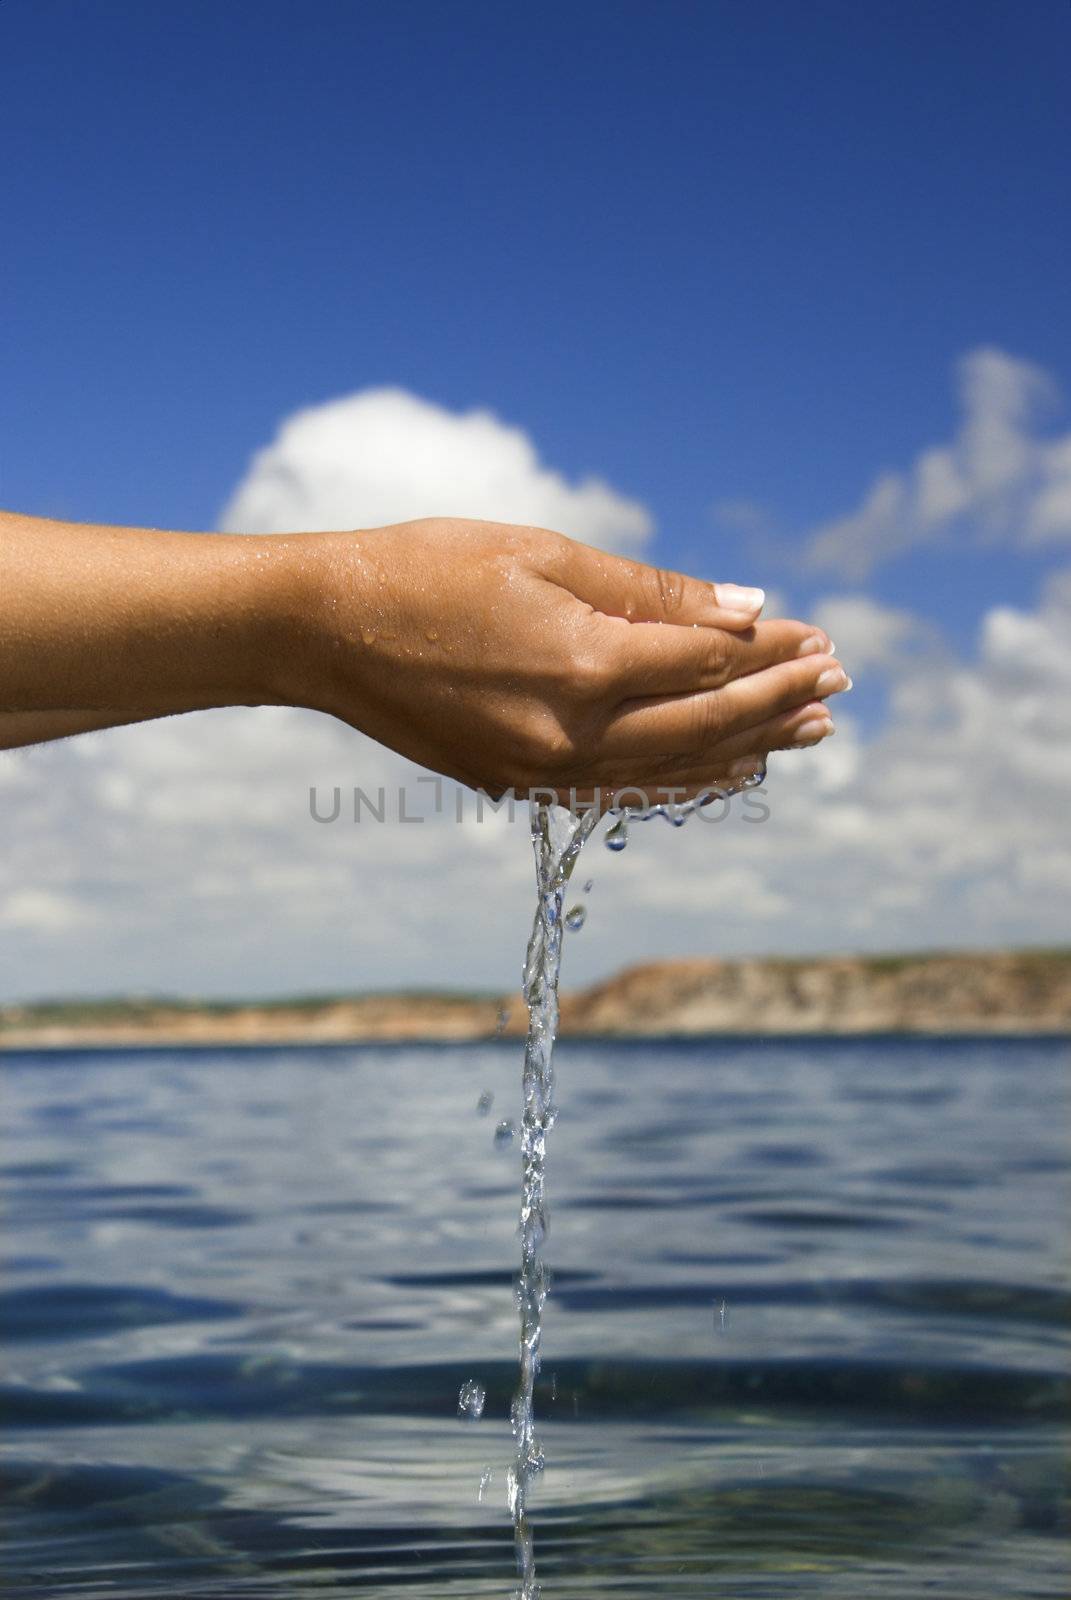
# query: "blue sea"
807 1333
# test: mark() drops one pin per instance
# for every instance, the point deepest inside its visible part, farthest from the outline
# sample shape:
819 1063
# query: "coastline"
1010 993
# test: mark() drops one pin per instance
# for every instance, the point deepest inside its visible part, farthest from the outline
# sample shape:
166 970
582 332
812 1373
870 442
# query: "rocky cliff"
994 992
1000 992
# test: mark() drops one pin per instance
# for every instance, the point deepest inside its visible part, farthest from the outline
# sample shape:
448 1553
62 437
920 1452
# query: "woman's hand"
510 658
515 658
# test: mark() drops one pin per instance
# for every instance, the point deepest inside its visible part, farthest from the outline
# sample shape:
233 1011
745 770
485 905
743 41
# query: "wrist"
296 632
270 607
223 622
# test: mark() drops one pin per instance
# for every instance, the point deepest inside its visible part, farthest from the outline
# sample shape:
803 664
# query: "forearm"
103 625
502 656
19 728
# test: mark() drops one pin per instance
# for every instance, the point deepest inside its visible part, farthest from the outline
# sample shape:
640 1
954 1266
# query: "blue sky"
718 254
711 251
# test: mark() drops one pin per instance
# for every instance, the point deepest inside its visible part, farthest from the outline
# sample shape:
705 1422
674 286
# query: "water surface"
807 1332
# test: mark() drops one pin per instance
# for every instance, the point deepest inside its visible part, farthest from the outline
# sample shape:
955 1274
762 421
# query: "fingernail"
813 731
832 680
735 598
816 644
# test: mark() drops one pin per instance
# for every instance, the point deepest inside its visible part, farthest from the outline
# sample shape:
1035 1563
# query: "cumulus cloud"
868 634
947 828
1000 479
42 909
181 856
385 455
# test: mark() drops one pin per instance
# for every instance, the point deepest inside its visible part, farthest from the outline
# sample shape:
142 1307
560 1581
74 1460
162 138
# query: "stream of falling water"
558 836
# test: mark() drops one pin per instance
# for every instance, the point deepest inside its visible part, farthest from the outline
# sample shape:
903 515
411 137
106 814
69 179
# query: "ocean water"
807 1333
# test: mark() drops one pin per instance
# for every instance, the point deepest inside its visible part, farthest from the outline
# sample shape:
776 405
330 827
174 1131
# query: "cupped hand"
515 658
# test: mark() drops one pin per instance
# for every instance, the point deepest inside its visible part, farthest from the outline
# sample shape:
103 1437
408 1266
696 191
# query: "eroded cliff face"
1015 993
998 992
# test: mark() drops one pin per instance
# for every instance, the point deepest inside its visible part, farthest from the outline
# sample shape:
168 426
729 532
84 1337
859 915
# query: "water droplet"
504 1134
722 1315
430 635
575 918
502 1019
368 635
471 1400
617 838
485 1102
754 779
589 885
485 1479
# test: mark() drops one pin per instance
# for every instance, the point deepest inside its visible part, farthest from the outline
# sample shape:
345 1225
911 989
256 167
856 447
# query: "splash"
471 1400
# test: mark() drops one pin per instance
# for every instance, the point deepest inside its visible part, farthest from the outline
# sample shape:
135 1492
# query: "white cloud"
41 910
867 634
181 856
740 515
385 455
202 870
999 479
189 840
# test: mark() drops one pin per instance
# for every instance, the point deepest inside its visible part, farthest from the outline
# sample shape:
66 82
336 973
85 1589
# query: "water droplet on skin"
502 1019
430 635
471 1400
485 1102
575 918
754 779
368 635
504 1134
485 1478
617 838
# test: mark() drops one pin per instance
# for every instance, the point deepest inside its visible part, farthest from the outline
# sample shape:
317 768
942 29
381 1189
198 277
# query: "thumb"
621 588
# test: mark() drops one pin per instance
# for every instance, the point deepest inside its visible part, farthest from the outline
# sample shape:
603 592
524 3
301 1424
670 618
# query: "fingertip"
742 601
746 767
813 732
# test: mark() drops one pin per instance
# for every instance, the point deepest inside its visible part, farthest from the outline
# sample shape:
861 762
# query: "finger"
697 722
725 765
747 753
621 588
651 658
734 759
